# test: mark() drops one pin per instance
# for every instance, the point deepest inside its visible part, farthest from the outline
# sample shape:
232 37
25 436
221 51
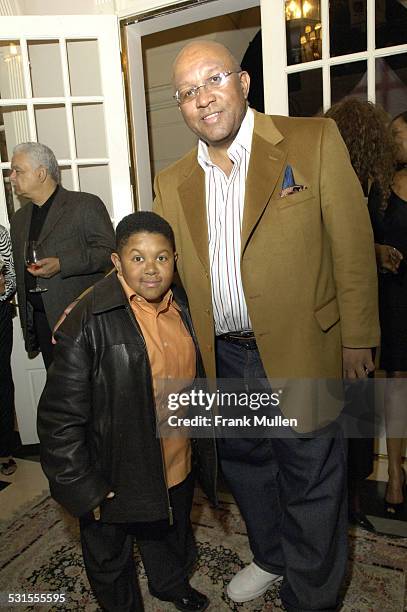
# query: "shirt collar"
47 204
243 139
134 298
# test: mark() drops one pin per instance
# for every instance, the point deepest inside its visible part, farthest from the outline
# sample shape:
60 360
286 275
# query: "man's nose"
13 175
205 95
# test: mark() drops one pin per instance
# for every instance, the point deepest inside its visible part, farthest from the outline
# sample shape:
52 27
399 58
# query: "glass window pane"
66 177
11 73
13 130
12 202
96 179
84 75
391 23
89 125
303 31
391 83
349 80
305 93
52 129
46 70
348 29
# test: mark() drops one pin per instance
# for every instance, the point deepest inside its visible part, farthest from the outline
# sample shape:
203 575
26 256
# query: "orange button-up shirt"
172 356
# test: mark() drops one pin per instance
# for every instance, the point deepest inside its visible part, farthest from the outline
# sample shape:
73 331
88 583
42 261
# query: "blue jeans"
292 495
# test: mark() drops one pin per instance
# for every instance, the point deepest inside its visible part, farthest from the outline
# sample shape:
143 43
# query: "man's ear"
245 83
115 257
42 174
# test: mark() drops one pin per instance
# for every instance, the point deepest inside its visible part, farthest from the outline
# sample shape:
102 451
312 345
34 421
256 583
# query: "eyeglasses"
213 82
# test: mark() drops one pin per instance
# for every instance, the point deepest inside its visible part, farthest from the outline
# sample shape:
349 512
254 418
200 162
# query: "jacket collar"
58 208
108 294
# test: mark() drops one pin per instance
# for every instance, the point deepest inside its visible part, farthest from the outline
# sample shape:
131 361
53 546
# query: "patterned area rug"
40 553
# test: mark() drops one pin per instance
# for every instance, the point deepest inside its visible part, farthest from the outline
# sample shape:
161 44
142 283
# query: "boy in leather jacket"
97 424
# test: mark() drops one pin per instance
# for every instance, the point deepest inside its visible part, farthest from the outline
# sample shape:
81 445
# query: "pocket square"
289 185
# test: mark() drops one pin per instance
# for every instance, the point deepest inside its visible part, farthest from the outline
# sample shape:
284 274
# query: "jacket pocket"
295 199
328 314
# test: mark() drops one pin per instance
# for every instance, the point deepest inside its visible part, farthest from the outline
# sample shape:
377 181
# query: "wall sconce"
297 9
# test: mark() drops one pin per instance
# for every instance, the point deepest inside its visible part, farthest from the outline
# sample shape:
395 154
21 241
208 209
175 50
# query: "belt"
245 339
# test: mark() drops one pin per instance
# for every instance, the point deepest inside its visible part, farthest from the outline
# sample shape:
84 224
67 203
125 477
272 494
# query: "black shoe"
192 601
358 519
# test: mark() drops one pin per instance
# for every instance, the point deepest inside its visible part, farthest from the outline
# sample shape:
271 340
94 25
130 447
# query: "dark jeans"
292 495
6 381
168 554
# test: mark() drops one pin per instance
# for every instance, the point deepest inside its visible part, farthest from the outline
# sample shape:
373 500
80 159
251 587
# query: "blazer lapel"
265 167
192 196
56 211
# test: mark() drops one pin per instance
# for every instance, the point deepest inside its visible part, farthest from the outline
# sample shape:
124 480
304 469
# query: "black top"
390 227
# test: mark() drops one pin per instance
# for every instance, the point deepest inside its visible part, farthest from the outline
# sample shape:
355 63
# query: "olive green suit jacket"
307 259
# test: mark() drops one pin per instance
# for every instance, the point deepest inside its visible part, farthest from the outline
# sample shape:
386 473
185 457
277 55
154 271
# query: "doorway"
151 48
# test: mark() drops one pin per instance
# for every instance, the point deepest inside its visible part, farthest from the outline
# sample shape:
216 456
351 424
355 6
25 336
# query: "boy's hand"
96 511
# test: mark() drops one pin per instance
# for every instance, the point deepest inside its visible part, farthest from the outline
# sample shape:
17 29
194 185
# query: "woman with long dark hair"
364 128
389 220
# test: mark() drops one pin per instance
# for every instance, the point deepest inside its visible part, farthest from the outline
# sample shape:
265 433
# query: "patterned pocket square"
289 185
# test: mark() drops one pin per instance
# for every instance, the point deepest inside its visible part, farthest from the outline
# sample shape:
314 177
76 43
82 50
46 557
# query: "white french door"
61 84
318 52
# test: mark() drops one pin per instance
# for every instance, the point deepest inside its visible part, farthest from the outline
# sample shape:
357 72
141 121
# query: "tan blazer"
307 259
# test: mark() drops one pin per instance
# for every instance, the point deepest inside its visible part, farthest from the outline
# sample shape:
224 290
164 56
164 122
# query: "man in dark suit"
75 237
276 255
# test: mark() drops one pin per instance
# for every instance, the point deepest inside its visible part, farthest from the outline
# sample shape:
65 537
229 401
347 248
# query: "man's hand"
62 318
46 268
357 362
2 283
96 511
388 257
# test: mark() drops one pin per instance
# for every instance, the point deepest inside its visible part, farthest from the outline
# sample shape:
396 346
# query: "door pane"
11 73
347 27
14 129
52 129
96 179
11 204
84 76
349 80
90 135
303 31
391 23
66 177
305 93
46 70
391 83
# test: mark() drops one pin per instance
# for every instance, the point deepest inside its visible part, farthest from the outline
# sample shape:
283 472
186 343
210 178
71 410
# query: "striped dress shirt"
224 207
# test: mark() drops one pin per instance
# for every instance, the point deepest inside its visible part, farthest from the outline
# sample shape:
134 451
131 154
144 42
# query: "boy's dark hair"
142 221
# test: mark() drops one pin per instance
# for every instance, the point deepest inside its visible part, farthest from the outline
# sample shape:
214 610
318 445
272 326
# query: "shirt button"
165 343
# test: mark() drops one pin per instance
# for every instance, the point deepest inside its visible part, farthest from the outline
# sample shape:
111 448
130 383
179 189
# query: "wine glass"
32 254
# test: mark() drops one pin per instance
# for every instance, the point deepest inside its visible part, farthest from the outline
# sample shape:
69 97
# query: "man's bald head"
201 48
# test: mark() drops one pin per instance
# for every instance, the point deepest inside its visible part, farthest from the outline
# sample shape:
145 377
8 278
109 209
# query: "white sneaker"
249 583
